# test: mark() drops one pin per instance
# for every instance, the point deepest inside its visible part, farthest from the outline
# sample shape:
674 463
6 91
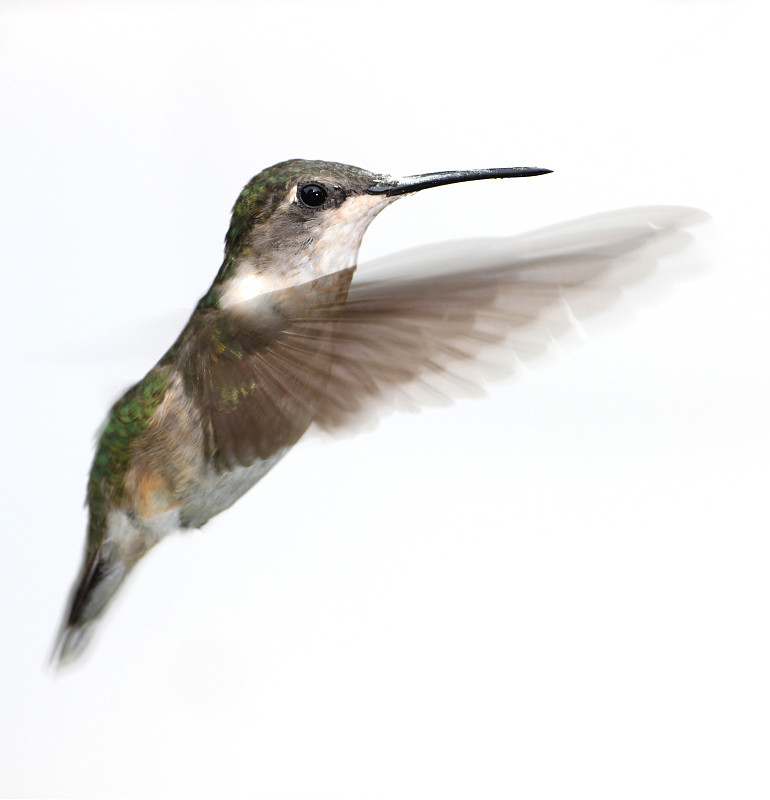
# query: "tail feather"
99 580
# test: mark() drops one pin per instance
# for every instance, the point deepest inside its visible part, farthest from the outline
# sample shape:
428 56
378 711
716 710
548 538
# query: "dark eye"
313 195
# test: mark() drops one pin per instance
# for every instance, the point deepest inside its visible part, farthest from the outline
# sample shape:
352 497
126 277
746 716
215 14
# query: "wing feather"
436 327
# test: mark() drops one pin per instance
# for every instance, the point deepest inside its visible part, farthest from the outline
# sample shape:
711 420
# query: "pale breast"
213 491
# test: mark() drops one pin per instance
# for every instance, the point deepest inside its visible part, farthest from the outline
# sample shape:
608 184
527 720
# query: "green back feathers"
127 419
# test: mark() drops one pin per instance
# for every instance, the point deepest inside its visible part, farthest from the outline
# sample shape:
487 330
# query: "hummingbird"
283 339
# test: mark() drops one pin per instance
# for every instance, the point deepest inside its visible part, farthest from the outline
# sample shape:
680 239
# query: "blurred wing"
436 326
258 374
478 307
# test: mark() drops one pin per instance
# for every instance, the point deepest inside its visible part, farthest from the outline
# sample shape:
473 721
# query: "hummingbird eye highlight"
313 195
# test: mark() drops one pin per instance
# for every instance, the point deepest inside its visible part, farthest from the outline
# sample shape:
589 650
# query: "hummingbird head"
299 220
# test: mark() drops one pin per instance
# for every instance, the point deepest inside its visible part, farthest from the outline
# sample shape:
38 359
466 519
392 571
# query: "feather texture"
330 352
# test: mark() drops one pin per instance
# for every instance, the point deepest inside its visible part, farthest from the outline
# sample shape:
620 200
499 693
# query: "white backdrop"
559 590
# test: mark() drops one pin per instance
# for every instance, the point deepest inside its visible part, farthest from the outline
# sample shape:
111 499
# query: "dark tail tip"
97 583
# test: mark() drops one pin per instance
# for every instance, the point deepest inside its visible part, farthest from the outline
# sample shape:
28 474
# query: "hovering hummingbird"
282 340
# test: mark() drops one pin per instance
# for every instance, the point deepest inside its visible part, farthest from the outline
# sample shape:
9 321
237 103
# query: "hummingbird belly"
171 482
213 491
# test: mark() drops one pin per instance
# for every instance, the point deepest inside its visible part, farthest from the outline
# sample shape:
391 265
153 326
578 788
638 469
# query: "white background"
560 590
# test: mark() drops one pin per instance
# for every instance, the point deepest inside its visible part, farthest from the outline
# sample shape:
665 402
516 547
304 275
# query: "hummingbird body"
279 342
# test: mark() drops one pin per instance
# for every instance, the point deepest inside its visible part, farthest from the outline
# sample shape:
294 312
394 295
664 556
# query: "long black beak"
414 183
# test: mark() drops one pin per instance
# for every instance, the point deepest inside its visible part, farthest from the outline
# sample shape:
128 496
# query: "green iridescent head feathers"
264 192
